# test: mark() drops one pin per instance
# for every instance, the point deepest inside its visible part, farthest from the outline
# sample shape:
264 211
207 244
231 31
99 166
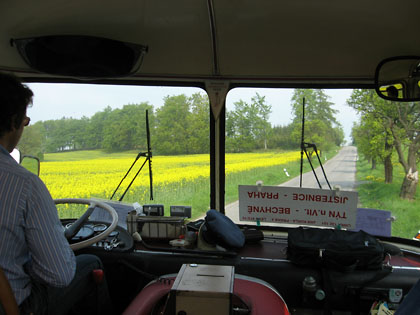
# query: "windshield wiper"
303 147
148 156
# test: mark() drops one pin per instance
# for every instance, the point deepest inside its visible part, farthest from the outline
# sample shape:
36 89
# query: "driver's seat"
8 304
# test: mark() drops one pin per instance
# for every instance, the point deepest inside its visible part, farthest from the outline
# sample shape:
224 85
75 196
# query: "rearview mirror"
398 79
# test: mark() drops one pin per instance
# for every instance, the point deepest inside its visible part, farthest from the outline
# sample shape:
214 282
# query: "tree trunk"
373 164
409 186
388 168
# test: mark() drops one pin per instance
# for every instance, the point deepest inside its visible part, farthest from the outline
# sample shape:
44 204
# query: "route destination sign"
293 205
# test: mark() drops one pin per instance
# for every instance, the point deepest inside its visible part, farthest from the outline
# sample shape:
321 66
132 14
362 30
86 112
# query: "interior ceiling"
292 42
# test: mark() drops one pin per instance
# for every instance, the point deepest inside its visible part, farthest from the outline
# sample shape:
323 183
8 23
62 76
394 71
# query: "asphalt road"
340 171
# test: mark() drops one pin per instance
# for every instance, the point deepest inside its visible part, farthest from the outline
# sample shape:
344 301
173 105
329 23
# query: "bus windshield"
88 136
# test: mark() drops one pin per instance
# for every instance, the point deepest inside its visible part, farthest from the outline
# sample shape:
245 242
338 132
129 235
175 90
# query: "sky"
55 101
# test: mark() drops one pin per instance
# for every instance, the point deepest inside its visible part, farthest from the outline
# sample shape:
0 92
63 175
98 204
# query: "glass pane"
349 133
31 164
264 136
88 137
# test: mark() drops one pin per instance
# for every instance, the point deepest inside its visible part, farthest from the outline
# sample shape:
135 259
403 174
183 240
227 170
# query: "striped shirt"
32 242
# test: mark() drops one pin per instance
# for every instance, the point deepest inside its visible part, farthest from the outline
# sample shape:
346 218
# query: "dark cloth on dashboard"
411 303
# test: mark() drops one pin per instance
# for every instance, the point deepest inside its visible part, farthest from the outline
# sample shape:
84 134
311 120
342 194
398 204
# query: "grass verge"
376 194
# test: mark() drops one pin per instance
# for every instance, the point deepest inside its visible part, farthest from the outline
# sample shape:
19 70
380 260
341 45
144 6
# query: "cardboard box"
204 289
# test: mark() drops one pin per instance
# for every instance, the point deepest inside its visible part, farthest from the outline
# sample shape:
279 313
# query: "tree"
261 124
125 128
55 138
374 141
94 133
321 126
173 130
239 137
182 125
76 128
31 141
403 122
199 123
280 137
247 126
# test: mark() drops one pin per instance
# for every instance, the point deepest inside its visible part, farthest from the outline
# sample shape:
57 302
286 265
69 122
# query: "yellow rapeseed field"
100 176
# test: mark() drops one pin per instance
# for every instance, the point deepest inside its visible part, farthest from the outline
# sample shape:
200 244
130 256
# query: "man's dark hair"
14 99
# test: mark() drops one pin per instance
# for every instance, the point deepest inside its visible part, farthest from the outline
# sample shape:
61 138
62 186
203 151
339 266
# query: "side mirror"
398 79
31 163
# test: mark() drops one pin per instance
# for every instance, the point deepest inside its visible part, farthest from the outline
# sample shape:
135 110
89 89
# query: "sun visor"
81 56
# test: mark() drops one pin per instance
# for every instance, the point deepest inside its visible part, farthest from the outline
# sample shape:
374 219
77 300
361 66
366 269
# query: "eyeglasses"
26 121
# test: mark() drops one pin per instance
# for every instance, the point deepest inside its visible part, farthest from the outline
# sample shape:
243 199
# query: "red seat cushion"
258 296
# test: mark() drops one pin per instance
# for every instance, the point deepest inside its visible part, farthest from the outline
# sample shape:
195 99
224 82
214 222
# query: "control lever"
75 227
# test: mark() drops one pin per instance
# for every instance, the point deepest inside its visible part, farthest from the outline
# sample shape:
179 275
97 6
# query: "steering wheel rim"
92 203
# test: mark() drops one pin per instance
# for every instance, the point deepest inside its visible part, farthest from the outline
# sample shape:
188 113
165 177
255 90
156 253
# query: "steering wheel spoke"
76 226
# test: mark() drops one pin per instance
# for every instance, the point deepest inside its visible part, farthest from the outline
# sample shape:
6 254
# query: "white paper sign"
293 205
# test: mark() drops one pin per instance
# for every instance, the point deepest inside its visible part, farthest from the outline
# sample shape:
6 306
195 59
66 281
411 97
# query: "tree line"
181 126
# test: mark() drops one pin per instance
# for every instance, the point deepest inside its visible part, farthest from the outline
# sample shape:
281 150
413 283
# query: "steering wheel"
76 226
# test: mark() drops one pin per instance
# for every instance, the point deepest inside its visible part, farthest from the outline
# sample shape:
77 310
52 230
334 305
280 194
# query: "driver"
392 91
43 272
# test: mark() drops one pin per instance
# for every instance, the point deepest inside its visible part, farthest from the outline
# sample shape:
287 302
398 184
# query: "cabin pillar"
217 92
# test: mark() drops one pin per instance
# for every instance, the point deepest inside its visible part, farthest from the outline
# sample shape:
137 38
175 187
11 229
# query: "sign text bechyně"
303 206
